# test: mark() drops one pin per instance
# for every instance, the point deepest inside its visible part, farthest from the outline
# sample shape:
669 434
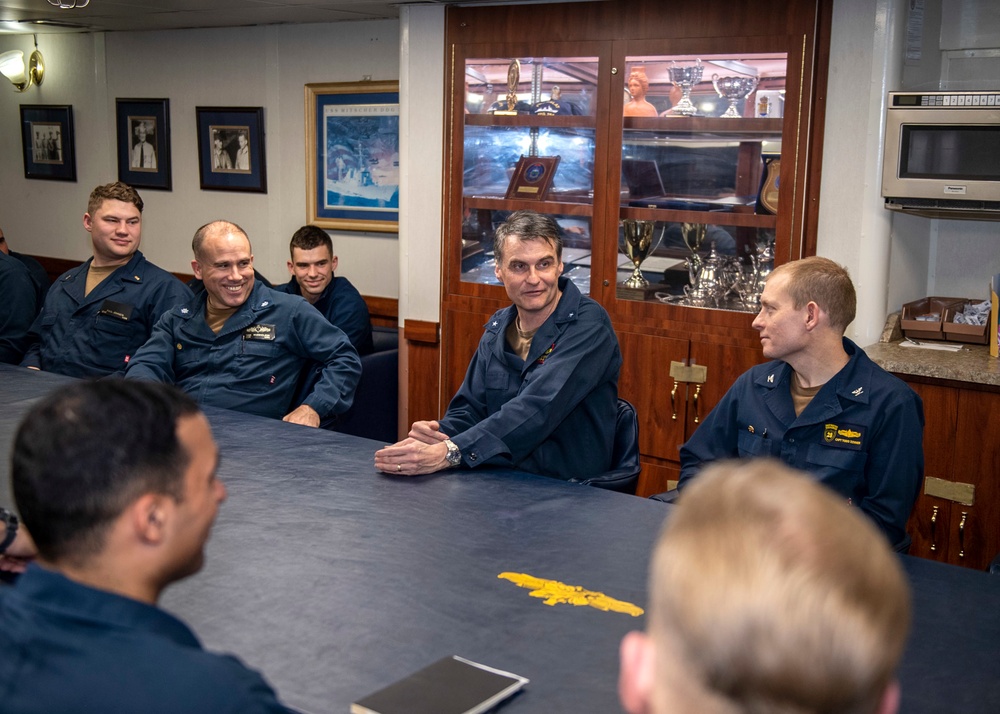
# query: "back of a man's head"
768 593
88 450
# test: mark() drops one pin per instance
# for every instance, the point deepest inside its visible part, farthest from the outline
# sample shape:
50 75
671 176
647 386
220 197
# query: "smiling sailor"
243 346
821 405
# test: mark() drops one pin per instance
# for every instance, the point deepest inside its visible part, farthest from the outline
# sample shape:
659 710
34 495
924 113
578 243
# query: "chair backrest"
374 413
624 474
385 338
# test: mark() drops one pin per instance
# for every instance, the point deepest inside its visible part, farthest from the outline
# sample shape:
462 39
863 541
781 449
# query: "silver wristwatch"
454 456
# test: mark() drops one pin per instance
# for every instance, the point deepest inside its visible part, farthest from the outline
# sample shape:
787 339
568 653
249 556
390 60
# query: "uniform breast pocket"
753 446
257 349
497 379
118 336
830 458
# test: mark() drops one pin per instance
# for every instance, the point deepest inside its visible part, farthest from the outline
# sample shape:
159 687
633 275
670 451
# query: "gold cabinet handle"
697 415
673 401
934 528
961 534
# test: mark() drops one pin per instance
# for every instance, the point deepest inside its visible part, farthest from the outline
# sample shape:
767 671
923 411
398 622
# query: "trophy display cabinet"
677 145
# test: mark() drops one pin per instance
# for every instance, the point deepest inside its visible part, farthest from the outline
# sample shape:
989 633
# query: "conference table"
334 580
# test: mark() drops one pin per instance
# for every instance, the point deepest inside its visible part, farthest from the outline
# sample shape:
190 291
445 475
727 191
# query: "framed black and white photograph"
47 142
231 149
144 142
352 155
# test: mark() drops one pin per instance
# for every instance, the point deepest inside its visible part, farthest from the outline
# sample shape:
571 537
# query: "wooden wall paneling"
383 311
657 476
725 363
929 525
977 461
459 344
645 382
419 371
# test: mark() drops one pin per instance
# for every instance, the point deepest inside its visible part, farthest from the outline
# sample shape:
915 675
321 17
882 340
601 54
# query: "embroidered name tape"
260 332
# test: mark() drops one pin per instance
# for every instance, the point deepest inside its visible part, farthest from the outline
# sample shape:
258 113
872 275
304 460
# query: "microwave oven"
942 154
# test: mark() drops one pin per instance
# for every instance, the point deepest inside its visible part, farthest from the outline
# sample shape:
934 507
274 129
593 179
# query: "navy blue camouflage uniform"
343 306
861 435
71 649
255 362
97 334
552 414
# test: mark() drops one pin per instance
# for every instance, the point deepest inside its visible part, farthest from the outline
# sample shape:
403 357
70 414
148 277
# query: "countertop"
971 364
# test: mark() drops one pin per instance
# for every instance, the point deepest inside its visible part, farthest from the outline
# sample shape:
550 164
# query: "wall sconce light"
69 4
12 67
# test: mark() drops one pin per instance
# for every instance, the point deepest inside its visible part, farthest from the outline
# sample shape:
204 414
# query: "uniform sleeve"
350 313
17 312
169 293
314 338
715 438
585 355
895 467
154 361
468 407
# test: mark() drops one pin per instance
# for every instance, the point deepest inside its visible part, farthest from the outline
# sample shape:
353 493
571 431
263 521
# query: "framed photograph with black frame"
144 142
231 149
47 142
352 156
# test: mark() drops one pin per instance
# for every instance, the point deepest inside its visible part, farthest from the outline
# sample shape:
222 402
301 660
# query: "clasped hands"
423 451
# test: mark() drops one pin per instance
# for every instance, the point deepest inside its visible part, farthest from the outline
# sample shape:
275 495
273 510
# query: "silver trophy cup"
734 89
685 78
638 243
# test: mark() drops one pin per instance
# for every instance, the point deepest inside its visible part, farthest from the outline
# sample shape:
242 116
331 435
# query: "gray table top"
334 580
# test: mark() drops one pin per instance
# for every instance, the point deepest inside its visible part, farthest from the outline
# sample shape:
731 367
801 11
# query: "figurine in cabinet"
638 86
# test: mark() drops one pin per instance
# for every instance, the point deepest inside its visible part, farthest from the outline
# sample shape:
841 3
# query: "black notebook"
451 685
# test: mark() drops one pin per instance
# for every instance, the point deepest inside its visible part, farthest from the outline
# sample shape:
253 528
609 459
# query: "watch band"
454 455
10 520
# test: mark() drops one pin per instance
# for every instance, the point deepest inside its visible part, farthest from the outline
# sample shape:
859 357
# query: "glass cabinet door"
700 162
529 143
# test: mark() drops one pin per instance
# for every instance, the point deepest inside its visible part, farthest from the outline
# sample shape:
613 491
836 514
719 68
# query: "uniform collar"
51 591
566 311
852 382
133 271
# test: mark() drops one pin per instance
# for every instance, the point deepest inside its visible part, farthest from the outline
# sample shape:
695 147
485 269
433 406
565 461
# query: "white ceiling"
28 16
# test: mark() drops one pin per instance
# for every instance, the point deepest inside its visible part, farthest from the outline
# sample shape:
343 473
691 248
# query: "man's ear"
290 265
635 677
88 222
148 516
813 314
890 698
196 269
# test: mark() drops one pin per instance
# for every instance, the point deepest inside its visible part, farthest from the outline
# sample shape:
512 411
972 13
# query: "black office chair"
624 474
374 414
385 338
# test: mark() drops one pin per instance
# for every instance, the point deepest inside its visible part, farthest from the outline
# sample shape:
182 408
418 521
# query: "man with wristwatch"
541 392
16 547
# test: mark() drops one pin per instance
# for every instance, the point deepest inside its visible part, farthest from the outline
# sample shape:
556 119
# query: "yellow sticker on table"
552 592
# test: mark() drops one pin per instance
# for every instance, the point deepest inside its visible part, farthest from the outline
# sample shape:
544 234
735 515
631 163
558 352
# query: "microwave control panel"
912 100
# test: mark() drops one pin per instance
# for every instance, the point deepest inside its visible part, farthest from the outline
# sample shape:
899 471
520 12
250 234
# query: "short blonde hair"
772 594
824 282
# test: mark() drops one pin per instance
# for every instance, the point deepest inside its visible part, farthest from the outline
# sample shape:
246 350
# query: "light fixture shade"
12 67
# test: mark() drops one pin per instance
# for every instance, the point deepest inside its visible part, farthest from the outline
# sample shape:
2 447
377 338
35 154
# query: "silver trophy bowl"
685 77
734 89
